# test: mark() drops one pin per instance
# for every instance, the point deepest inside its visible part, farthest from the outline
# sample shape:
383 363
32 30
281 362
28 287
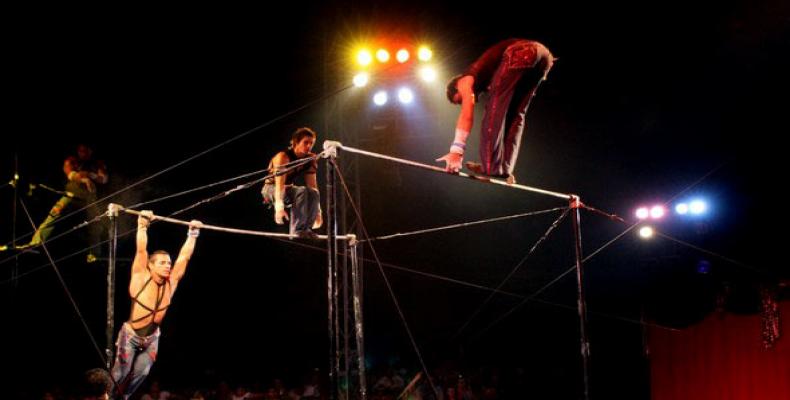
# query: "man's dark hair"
151 257
452 87
96 383
300 134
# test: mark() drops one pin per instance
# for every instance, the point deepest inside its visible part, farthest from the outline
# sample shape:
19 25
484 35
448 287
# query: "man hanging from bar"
151 288
510 71
282 192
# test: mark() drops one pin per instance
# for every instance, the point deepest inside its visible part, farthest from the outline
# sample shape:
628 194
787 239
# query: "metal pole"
346 385
359 334
15 184
112 213
331 273
479 178
575 204
230 230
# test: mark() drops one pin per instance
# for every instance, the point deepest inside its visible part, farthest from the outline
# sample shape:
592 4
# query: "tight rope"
196 189
465 224
384 276
332 144
283 169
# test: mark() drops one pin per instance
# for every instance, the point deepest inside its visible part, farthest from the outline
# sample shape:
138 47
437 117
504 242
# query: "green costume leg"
46 227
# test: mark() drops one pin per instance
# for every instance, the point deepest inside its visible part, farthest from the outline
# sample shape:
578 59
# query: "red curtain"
721 358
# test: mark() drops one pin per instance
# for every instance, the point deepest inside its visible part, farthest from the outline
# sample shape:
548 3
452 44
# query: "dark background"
645 103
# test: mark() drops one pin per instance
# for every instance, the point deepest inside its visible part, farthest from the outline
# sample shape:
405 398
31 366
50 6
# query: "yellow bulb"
364 58
402 56
383 55
424 53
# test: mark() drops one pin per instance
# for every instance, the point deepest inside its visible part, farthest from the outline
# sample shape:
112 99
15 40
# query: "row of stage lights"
365 57
405 95
692 208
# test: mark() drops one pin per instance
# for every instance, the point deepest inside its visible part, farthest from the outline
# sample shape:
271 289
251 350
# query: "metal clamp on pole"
113 209
330 148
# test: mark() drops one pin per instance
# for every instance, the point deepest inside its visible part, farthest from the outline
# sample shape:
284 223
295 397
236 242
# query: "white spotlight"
657 212
361 79
642 212
380 98
698 207
646 232
382 55
405 95
424 53
428 74
402 56
682 208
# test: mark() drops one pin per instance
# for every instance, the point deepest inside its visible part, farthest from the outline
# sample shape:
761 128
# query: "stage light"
364 58
682 208
402 56
361 79
424 53
380 98
405 95
703 267
646 232
428 74
657 212
382 55
642 213
698 207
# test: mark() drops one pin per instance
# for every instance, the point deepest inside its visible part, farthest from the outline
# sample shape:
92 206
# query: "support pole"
576 205
15 184
112 213
346 381
331 246
359 332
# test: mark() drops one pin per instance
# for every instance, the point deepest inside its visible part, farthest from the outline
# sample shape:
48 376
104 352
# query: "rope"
209 150
465 224
66 289
289 166
481 287
513 271
283 169
69 231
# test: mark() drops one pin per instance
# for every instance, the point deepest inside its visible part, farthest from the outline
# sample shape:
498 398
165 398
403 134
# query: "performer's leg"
144 362
314 202
125 350
95 230
45 229
304 210
515 123
299 209
517 59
